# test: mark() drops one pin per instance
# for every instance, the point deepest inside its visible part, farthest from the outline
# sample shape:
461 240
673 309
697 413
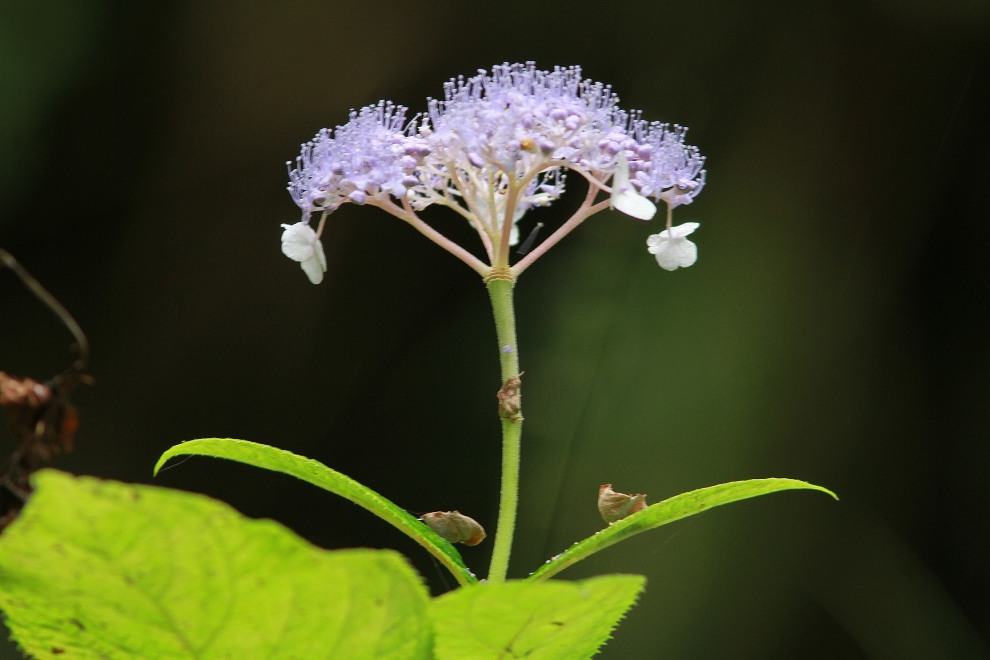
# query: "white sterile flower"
300 243
672 249
625 197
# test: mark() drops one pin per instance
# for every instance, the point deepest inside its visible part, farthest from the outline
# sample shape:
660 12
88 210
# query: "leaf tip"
164 458
828 492
807 485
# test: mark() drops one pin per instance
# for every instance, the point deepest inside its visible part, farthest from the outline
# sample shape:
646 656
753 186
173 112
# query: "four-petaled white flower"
672 249
625 197
300 243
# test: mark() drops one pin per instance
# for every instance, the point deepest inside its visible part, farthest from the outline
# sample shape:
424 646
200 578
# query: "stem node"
499 273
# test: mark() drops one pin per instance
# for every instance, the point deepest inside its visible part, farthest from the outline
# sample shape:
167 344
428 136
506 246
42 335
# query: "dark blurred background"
833 329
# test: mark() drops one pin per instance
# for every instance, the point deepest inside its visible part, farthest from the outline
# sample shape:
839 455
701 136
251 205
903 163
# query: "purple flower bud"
610 147
417 148
674 170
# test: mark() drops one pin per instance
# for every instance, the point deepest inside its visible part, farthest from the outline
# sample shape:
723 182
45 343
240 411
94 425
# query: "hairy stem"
500 284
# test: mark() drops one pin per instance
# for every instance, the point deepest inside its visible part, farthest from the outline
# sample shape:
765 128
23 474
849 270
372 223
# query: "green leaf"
103 569
318 474
520 619
674 508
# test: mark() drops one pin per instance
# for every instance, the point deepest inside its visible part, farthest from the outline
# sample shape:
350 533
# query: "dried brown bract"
510 398
455 527
615 506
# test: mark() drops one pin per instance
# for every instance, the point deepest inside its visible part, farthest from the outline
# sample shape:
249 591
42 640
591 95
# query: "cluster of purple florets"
372 154
516 123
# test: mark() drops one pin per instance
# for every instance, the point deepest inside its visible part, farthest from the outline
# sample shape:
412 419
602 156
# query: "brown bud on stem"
455 527
615 506
510 398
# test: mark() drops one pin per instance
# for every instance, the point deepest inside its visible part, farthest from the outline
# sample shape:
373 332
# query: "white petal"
624 196
315 266
632 203
675 253
684 229
320 255
297 241
514 235
297 251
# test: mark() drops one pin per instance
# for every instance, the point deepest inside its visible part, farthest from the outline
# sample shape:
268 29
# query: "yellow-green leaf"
321 476
516 619
96 568
671 509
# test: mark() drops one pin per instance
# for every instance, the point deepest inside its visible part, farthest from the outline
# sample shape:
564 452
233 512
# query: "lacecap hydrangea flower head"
497 145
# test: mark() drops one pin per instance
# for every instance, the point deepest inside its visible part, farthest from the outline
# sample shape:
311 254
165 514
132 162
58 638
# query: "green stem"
500 284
